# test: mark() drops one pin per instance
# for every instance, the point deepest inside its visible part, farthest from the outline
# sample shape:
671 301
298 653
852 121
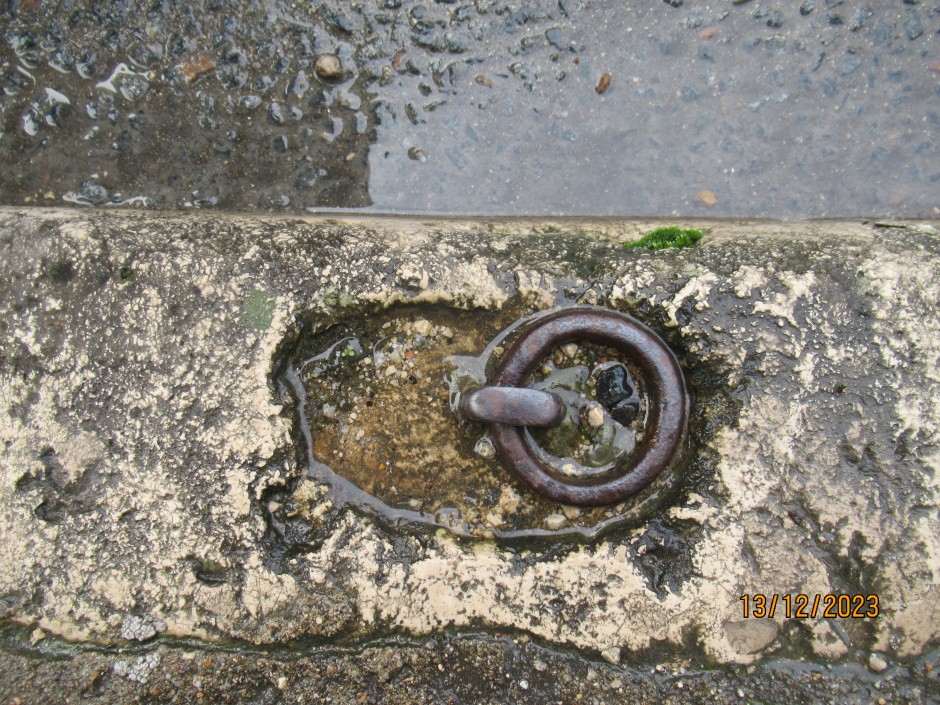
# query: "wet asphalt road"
763 108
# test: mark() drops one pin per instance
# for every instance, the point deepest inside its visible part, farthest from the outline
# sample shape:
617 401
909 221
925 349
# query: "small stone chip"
422 327
196 66
706 198
485 448
571 512
328 67
595 415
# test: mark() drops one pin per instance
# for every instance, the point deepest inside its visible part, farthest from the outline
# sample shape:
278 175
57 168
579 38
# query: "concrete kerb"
145 436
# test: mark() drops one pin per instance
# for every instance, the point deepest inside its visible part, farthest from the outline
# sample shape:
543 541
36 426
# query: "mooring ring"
668 404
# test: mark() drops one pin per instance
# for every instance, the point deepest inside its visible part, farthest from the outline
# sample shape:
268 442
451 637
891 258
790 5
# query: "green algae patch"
663 238
258 311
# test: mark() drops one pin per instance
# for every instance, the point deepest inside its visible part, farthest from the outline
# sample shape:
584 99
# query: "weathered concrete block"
153 467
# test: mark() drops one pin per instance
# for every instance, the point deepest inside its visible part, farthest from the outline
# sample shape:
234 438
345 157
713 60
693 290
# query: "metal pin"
514 406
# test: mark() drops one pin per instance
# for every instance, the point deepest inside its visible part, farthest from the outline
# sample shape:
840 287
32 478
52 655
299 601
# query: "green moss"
672 236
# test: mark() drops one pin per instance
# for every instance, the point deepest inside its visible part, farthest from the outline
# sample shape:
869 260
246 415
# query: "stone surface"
145 438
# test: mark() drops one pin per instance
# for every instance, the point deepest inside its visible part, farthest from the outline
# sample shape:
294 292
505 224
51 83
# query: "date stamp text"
803 606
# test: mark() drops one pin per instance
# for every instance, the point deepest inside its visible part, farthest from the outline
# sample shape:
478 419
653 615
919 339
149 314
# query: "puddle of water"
377 399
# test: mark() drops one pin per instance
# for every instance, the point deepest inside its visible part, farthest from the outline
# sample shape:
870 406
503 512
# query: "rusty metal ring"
668 404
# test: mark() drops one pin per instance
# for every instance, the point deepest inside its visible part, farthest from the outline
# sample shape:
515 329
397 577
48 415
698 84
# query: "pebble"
328 67
603 84
706 198
570 512
877 663
553 522
912 25
422 327
595 415
555 38
299 85
485 448
570 350
614 385
94 192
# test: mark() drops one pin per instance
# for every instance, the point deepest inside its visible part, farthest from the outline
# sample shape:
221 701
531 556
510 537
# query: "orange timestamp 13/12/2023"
802 606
